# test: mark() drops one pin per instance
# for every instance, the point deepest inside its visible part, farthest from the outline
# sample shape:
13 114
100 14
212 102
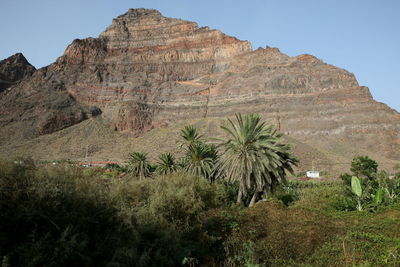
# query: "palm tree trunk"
240 195
253 199
274 183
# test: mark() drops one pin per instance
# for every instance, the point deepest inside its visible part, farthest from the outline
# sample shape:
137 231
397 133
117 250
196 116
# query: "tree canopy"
254 155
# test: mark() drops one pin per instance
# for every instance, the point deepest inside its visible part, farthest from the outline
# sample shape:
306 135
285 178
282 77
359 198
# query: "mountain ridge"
146 71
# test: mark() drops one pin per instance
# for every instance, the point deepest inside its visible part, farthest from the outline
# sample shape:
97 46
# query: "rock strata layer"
147 71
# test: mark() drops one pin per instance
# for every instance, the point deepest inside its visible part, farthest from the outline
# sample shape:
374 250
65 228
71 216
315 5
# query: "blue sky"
361 36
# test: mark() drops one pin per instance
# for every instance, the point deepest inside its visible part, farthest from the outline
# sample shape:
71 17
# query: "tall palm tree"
252 155
138 165
200 160
166 164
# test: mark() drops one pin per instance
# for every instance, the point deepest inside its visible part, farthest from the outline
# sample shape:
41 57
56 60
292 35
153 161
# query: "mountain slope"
146 71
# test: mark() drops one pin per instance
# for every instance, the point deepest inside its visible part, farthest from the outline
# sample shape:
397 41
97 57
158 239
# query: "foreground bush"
170 211
59 217
66 215
312 232
368 188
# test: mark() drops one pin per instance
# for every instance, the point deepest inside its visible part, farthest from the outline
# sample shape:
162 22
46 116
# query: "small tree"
166 164
190 136
138 165
200 160
363 166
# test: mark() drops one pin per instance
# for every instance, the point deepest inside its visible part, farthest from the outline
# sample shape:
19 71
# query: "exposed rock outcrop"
14 69
39 104
147 71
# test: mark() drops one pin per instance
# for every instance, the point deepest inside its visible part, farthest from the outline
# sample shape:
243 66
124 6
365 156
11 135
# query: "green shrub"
115 167
58 216
287 193
377 187
363 166
270 234
171 213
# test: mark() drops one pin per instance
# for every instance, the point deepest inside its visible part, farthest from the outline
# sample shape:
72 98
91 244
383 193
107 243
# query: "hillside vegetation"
190 209
65 215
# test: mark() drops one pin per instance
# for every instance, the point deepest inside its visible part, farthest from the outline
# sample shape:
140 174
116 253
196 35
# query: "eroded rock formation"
14 69
146 71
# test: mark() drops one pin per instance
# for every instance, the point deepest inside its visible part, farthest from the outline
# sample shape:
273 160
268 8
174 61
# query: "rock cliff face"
147 71
37 104
14 69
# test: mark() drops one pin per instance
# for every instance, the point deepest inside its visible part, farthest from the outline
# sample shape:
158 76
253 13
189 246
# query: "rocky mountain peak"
147 28
136 15
13 69
17 58
138 12
147 71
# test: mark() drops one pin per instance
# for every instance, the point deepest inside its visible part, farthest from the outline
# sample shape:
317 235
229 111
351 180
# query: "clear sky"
361 36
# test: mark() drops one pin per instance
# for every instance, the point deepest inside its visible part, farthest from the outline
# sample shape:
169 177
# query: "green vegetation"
200 160
67 215
254 156
357 190
363 166
183 210
190 136
373 188
138 165
166 164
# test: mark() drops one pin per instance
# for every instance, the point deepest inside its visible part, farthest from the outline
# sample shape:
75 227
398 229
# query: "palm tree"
200 160
166 164
138 165
253 155
190 136
288 160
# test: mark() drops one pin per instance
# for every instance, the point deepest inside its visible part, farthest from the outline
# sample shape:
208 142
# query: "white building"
312 174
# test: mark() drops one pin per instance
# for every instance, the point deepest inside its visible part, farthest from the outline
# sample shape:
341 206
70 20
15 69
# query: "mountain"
147 72
14 69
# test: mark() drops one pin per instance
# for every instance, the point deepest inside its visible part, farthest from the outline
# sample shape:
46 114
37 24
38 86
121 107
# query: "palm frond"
253 153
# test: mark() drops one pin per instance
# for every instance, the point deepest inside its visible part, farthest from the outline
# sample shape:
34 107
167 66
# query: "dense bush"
364 166
312 232
59 216
67 215
170 210
377 188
